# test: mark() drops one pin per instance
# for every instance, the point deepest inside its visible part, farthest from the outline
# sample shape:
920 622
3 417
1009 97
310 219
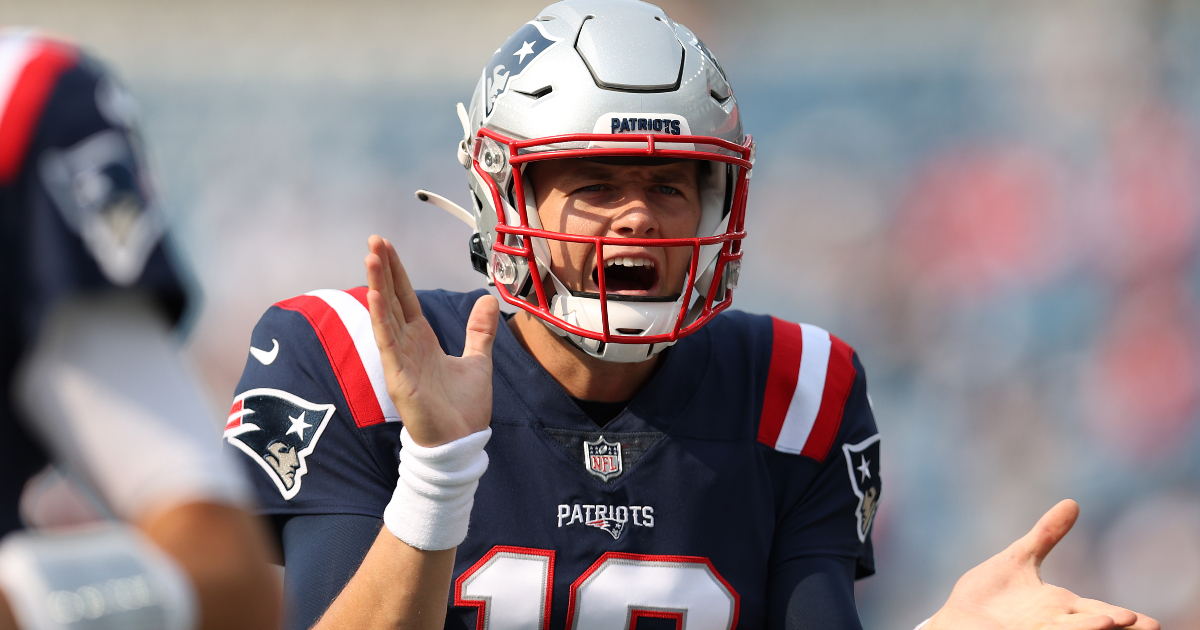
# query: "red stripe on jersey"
839 378
786 350
343 357
480 605
234 422
25 103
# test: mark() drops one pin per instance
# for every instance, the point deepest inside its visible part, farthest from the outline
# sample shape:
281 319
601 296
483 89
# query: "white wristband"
431 506
96 579
923 624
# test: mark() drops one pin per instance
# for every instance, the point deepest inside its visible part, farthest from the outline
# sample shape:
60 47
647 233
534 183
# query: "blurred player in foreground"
92 382
655 459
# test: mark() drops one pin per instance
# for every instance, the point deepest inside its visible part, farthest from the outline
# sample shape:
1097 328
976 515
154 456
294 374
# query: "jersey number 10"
512 588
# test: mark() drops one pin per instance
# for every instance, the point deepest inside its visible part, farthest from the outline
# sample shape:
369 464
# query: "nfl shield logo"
602 458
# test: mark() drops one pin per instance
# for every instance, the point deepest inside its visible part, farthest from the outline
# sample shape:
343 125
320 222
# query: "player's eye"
666 190
592 188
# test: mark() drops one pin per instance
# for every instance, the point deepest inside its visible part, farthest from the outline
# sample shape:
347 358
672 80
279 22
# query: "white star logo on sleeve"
867 492
298 426
864 468
526 49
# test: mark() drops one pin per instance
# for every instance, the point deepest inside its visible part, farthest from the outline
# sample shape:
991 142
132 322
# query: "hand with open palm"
440 398
1006 592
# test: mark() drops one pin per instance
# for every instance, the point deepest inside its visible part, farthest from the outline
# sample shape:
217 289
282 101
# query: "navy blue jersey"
753 446
75 214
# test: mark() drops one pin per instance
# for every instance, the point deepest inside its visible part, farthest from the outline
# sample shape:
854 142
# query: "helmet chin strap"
463 150
454 209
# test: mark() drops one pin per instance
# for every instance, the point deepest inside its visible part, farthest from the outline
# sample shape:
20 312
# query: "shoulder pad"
809 381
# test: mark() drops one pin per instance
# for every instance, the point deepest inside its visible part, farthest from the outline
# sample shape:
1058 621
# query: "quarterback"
623 451
92 392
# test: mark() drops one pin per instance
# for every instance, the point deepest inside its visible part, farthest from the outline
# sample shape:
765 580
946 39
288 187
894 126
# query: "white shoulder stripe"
810 386
357 320
16 49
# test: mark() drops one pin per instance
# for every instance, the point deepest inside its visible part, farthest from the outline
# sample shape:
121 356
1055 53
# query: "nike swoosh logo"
264 357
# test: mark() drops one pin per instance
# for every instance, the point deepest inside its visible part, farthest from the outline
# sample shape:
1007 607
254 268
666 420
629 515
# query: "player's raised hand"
440 398
1006 592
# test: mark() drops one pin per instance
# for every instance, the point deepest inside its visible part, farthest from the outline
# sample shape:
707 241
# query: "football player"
92 383
653 459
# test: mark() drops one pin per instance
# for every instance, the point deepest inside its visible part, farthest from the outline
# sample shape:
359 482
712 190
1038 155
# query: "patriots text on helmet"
656 125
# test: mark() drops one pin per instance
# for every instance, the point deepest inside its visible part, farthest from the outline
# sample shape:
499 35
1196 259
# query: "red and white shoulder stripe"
343 324
807 386
29 67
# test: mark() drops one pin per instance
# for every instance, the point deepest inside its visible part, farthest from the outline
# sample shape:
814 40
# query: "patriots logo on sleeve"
862 461
98 189
278 430
510 60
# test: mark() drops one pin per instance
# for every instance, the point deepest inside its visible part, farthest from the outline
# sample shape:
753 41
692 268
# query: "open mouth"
628 275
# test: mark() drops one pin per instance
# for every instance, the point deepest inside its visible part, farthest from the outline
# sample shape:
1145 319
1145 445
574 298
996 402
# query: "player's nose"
635 217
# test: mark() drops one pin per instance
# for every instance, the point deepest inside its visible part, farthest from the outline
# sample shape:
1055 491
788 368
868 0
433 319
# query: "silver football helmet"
603 79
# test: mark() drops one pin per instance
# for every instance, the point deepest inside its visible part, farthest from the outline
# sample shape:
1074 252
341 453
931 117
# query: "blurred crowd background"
996 202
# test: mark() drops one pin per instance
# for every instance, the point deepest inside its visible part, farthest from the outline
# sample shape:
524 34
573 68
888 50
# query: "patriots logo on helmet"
278 430
603 458
510 60
862 460
610 525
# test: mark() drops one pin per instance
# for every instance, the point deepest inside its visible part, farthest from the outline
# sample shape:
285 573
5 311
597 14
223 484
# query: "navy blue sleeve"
813 593
81 216
832 515
321 554
292 426
822 541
